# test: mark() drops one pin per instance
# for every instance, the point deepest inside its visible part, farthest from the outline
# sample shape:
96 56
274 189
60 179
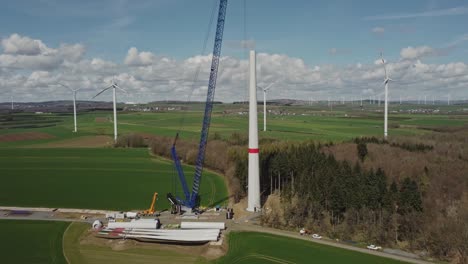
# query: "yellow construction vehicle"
151 210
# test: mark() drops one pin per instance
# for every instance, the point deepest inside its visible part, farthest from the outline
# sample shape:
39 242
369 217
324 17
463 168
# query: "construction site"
149 167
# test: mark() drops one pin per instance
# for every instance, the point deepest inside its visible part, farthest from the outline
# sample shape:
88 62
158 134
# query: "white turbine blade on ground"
103 91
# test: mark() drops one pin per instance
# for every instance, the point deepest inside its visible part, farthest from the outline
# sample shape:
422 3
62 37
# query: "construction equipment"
176 207
191 200
151 211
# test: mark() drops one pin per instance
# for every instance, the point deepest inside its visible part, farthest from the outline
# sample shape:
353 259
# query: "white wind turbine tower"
264 103
386 80
74 101
113 86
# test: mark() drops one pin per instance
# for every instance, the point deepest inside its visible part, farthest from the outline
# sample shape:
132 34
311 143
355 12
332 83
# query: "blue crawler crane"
191 199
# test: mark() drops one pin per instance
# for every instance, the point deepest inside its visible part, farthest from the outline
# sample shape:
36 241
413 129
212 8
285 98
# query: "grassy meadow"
261 248
101 178
286 123
38 242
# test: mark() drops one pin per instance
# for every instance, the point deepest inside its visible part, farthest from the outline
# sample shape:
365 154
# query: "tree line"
359 190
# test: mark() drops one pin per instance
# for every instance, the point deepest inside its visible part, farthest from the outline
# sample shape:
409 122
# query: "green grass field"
307 123
105 178
37 242
260 248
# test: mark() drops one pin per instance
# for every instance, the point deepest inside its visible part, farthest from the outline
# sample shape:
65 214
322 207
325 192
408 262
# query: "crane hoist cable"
192 198
198 68
194 82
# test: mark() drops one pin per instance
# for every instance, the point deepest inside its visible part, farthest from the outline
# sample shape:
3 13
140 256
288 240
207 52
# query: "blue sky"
337 33
304 29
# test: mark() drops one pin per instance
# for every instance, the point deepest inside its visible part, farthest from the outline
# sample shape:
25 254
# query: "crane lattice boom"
191 199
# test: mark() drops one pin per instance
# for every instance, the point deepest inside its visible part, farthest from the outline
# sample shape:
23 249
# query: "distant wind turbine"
74 101
113 86
264 103
386 80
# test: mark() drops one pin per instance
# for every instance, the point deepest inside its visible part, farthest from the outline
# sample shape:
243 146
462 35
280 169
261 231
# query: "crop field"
260 248
32 242
101 178
295 123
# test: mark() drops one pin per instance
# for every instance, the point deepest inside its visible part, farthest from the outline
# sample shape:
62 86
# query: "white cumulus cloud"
412 53
378 30
16 44
33 75
32 54
135 58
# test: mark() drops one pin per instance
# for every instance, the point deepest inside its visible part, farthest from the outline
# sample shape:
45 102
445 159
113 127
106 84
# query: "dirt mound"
273 212
25 136
101 120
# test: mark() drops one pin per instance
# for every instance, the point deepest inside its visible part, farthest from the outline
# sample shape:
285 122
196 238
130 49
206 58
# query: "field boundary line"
63 243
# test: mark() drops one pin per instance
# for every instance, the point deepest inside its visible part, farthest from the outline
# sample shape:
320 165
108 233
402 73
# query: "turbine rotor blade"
269 86
118 87
103 91
66 86
383 63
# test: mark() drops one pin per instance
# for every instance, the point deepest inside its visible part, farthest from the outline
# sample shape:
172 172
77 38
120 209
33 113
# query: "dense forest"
409 193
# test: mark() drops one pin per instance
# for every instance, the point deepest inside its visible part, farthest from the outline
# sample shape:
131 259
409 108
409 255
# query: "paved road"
39 216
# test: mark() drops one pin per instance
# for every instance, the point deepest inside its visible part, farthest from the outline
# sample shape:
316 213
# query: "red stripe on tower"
253 150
